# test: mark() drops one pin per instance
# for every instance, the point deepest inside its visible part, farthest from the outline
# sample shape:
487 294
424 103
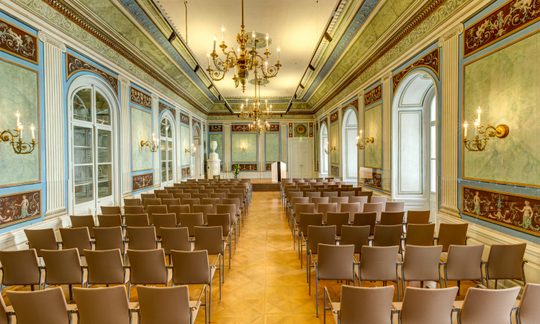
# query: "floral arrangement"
236 170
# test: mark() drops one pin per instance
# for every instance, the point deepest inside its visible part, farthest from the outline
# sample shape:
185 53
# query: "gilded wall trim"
430 61
502 22
75 64
373 95
140 98
215 128
521 213
18 42
241 128
334 117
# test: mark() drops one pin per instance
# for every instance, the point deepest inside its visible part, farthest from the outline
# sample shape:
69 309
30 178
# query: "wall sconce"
361 141
191 150
482 133
243 147
152 145
15 137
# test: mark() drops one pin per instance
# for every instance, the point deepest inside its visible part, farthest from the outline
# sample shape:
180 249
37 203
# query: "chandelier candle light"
482 133
255 112
244 58
15 137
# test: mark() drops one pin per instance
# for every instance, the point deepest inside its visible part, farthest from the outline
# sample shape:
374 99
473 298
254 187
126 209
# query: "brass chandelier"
255 112
244 58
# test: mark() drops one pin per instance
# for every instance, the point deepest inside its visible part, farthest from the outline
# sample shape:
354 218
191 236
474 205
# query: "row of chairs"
374 305
102 305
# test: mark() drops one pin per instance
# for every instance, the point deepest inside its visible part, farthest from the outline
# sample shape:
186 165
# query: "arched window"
324 150
92 147
350 152
166 135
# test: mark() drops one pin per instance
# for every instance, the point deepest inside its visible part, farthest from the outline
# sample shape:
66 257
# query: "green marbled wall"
373 128
249 142
272 147
506 85
141 128
18 92
185 143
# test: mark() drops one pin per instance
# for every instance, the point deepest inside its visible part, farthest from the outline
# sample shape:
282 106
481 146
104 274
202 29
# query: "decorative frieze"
373 95
248 166
19 207
215 128
184 119
140 98
376 180
274 127
502 22
334 117
240 128
142 181
513 211
164 106
430 61
311 129
268 166
291 129
75 64
18 42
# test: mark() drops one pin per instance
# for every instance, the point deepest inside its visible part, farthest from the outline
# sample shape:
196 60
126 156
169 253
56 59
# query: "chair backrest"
83 221
62 267
137 220
190 267
164 220
114 210
221 195
221 219
374 207
105 267
464 262
392 218
182 195
422 263
359 199
147 195
335 262
130 202
362 219
164 305
313 194
355 235
394 206
379 200
229 209
351 208
170 202
505 261
387 235
179 209
200 195
428 305
147 267
134 210
109 220
492 306
151 202
204 209
529 312
164 195
191 201
141 238
300 208
420 234
326 208
307 219
190 220
320 200
347 193
175 238
338 219
320 234
155 209
39 307
339 200
366 305
108 238
455 234
330 194
209 238
77 237
418 216
378 263
211 201
41 239
102 305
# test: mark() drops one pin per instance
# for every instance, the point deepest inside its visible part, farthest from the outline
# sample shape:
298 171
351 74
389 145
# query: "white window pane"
433 140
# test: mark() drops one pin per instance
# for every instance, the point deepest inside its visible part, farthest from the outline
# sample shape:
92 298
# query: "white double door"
300 158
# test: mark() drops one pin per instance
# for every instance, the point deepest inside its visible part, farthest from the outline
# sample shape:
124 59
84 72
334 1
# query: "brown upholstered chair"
363 219
193 268
109 220
39 239
170 202
455 234
147 267
427 305
338 219
210 238
420 234
175 238
421 263
40 307
151 202
204 209
77 237
374 207
132 202
164 220
20 267
102 305
326 208
394 206
141 238
138 209
505 261
306 219
63 267
351 209
339 200
355 235
334 262
234 218
379 200
155 209
387 235
179 209
392 218
5 312
108 238
319 200
488 306
112 210
528 311
418 216
105 267
137 220
83 221
190 220
464 262
316 235
166 305
359 199
362 305
379 263
224 221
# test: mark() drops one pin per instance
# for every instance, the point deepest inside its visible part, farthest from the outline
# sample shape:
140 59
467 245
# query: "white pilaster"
125 138
361 126
227 159
449 122
179 148
156 131
387 131
54 121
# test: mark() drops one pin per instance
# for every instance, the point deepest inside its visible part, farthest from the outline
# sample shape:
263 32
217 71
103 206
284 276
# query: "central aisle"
265 284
